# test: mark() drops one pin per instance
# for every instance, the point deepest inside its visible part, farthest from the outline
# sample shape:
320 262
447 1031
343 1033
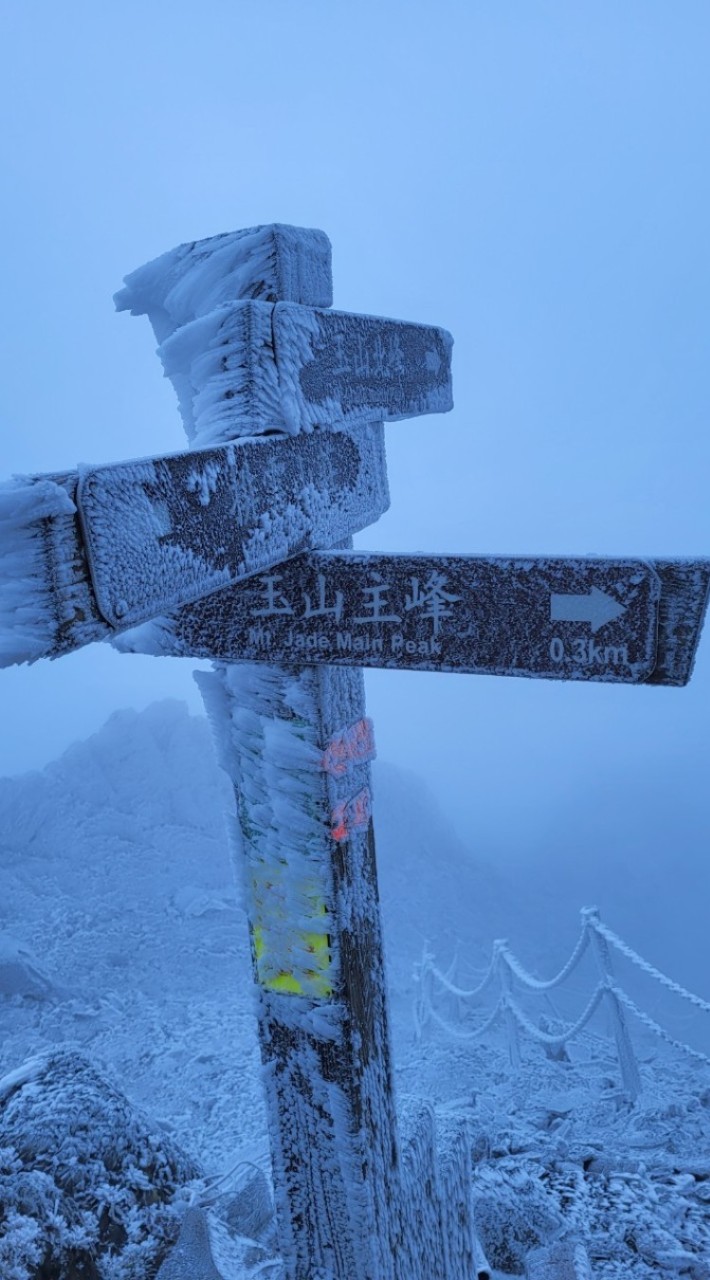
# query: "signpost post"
239 551
296 742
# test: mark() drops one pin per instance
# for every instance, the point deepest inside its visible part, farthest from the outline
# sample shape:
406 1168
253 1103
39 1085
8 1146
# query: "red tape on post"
355 745
350 816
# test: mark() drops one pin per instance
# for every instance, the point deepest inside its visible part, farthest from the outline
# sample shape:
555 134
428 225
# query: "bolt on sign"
239 550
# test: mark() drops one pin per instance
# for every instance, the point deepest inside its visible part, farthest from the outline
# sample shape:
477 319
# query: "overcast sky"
535 178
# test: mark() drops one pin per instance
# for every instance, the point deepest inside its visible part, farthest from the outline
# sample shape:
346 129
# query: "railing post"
462 1249
504 978
423 994
422 1247
628 1066
452 975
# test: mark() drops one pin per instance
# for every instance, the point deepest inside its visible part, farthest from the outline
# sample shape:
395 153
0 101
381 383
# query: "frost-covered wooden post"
628 1066
506 986
296 741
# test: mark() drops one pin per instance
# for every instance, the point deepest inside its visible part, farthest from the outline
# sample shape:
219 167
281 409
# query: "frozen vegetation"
124 955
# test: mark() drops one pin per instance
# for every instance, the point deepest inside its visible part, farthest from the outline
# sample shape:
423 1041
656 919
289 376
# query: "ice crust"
283 835
161 532
136 552
249 367
191 281
28 612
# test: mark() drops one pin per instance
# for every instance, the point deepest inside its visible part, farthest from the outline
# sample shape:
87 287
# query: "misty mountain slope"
655 889
432 889
118 881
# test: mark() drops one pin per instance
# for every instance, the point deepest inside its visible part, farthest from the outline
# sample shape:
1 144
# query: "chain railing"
509 979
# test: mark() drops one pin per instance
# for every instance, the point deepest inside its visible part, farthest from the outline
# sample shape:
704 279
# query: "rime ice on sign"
560 619
265 263
249 367
338 367
163 531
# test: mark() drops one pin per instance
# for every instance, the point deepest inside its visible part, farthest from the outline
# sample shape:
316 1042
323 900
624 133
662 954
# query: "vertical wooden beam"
421 1252
439 1240
291 740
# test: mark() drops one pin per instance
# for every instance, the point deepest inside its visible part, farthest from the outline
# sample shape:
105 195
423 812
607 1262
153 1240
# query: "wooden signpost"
296 743
239 551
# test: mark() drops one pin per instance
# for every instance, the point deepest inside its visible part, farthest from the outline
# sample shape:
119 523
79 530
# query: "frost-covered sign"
295 368
116 545
626 621
160 531
112 546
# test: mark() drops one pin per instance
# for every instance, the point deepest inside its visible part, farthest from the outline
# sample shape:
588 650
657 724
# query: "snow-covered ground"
120 932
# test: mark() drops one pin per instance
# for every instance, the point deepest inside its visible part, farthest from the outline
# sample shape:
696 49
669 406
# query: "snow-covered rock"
88 1187
21 973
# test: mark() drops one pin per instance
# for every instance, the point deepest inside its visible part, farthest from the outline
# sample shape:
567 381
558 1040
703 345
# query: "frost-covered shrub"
88 1189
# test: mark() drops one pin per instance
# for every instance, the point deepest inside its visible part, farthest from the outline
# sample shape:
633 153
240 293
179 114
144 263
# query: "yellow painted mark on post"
289 958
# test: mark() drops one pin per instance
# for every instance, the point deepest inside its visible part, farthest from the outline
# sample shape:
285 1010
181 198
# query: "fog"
535 179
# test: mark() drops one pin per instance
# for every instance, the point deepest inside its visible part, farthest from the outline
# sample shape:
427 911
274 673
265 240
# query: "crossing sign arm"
253 366
621 621
122 543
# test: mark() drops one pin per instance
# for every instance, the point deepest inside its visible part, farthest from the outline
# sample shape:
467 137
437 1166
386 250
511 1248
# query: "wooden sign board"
165 530
142 538
252 366
623 621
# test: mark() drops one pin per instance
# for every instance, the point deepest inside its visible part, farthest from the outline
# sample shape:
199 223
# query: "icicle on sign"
294 368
